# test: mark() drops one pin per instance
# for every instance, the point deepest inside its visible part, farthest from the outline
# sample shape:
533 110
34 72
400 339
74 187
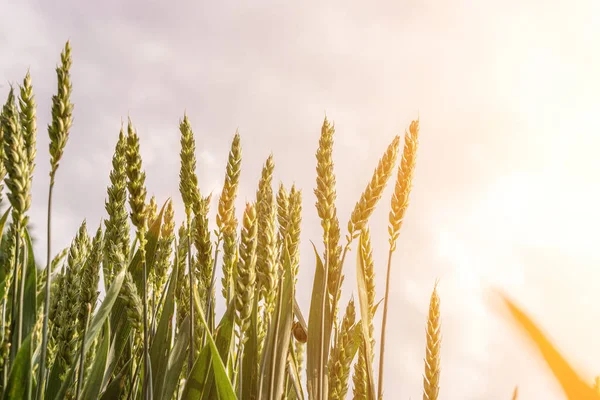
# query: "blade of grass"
160 349
93 383
274 362
574 387
176 360
224 388
317 330
19 384
29 289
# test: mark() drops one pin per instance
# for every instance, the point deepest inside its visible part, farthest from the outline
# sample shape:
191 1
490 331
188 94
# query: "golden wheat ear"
573 386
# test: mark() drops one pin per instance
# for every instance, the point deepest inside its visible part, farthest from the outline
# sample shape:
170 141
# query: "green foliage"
65 336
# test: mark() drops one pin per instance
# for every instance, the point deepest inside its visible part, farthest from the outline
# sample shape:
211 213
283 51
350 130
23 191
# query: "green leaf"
249 375
176 359
201 382
275 353
114 388
105 308
365 315
198 381
29 298
294 374
19 382
160 348
93 383
318 339
224 387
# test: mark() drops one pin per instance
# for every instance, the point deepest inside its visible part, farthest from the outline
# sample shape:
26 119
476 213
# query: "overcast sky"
506 190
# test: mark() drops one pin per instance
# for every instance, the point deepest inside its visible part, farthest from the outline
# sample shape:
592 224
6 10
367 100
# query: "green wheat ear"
226 220
62 111
19 172
188 180
133 302
27 115
245 271
116 238
266 253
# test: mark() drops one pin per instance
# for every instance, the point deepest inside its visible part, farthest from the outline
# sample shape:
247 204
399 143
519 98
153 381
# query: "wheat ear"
226 220
431 378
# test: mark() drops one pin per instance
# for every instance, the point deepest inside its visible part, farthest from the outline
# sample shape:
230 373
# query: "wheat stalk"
399 205
188 186
58 132
326 209
137 202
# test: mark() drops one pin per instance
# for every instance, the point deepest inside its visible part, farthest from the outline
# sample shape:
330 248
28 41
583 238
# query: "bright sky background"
507 182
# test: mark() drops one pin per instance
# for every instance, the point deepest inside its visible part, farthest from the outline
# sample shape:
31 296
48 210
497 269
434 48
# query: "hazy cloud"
506 188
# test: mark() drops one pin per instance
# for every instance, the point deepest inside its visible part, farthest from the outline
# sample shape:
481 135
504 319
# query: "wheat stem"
58 131
383 328
191 284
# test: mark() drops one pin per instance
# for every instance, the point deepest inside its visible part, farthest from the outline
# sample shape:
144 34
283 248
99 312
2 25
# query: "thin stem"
276 338
383 326
133 379
82 356
42 372
324 301
145 306
191 278
240 372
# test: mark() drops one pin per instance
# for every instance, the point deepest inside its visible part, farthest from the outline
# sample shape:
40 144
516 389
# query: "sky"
506 186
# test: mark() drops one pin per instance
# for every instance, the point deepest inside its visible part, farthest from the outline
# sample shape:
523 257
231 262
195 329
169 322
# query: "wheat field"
155 333
122 316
